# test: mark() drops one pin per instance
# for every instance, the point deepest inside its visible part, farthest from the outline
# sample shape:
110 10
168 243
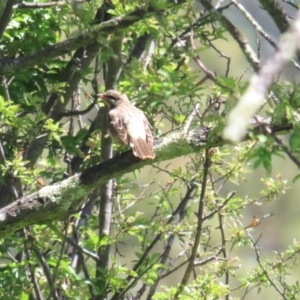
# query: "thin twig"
190 118
79 113
67 239
46 269
236 34
259 29
266 273
197 239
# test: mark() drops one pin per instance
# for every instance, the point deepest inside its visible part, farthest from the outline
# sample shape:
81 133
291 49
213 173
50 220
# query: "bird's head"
112 98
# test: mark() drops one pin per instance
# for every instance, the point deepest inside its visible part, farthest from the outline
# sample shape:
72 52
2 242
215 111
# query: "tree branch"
236 34
277 14
78 112
2 6
5 15
58 200
260 82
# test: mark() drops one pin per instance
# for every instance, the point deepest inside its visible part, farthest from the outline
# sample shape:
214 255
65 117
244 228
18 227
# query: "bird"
127 124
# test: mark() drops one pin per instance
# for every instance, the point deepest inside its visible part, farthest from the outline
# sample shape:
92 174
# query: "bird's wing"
140 137
117 129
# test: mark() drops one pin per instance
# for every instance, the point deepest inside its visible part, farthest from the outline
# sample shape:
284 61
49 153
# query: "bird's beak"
103 99
100 96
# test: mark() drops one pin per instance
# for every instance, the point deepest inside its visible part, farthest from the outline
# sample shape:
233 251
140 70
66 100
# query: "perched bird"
128 124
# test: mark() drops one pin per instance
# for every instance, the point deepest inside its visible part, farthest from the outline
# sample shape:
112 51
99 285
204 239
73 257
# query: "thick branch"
2 6
276 13
61 199
58 200
5 14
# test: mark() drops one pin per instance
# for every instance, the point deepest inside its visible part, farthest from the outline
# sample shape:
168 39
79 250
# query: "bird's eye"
112 101
112 98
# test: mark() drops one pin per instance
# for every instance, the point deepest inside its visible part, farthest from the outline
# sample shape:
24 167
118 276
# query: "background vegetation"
79 218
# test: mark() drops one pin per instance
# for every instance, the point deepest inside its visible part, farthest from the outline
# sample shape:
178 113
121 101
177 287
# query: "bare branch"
258 28
254 96
77 112
236 34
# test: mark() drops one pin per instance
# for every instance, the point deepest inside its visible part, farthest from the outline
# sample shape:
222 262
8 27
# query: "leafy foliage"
177 230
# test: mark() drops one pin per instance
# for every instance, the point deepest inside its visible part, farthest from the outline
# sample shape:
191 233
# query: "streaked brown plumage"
128 124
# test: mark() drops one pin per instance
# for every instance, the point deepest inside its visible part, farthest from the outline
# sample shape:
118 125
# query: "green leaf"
297 177
295 141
